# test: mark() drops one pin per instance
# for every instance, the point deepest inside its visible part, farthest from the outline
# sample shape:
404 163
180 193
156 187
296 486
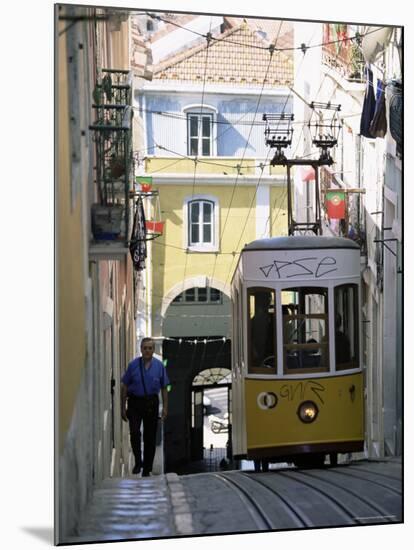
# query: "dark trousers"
143 410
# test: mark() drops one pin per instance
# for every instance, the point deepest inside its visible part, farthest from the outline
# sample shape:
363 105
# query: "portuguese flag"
145 182
335 204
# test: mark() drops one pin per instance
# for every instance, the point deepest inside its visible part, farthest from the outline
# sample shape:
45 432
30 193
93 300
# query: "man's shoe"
145 473
136 469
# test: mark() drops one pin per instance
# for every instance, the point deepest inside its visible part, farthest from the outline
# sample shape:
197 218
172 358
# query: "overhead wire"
200 122
183 117
247 141
156 171
156 241
297 146
237 166
271 48
248 214
217 39
285 192
244 152
251 125
215 163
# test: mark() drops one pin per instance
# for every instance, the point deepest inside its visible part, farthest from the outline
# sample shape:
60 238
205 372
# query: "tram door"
197 424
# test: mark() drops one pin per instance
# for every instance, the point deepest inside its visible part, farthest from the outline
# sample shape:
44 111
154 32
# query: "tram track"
301 519
360 508
259 516
369 477
376 473
320 507
296 499
283 501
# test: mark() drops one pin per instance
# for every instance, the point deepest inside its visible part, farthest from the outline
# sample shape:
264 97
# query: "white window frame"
212 246
200 111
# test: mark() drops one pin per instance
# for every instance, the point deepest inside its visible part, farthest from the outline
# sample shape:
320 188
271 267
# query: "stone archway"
168 308
201 281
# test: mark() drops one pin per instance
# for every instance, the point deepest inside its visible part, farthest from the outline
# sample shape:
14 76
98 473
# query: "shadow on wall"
232 142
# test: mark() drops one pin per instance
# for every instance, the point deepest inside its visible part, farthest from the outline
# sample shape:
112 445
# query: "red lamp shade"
154 227
308 174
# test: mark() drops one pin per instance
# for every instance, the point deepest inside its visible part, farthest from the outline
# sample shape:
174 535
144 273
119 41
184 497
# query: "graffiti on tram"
269 400
313 267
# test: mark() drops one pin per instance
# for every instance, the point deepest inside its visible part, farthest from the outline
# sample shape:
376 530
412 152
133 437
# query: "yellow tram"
297 383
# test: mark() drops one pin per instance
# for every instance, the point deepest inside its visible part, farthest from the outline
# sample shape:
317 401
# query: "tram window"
346 327
262 331
305 329
236 330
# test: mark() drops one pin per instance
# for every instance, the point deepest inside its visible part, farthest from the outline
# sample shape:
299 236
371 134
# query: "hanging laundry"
378 127
396 106
368 108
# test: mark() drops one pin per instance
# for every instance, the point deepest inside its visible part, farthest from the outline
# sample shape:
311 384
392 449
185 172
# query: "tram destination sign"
288 265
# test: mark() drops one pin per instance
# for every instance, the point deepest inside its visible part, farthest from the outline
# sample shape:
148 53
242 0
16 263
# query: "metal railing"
341 53
112 214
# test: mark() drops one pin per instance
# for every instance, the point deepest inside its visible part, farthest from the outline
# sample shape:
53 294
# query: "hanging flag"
145 182
335 204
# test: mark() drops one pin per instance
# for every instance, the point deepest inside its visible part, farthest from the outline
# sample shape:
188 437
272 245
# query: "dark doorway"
186 358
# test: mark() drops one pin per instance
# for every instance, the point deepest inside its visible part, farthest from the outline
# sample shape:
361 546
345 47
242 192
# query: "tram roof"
300 242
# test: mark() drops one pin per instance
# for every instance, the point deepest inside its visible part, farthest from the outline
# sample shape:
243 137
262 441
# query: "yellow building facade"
206 153
239 220
95 280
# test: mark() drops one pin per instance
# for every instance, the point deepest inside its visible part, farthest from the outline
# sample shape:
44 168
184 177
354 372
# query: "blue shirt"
155 377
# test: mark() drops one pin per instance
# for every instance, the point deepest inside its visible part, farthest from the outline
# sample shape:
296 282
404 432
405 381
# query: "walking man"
144 378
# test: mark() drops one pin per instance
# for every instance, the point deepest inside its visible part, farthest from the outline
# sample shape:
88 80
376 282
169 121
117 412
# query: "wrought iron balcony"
112 213
342 53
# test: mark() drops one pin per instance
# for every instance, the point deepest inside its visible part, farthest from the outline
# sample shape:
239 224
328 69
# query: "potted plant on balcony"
117 166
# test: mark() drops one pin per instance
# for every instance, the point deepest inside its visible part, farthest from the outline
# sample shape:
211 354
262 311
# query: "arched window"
200 131
200 222
201 215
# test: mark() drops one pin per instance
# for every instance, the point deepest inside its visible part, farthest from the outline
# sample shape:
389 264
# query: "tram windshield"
305 329
262 333
346 327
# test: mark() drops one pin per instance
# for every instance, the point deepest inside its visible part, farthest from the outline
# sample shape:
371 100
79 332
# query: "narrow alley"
229 273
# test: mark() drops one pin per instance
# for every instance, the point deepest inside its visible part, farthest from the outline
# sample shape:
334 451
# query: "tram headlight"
308 412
